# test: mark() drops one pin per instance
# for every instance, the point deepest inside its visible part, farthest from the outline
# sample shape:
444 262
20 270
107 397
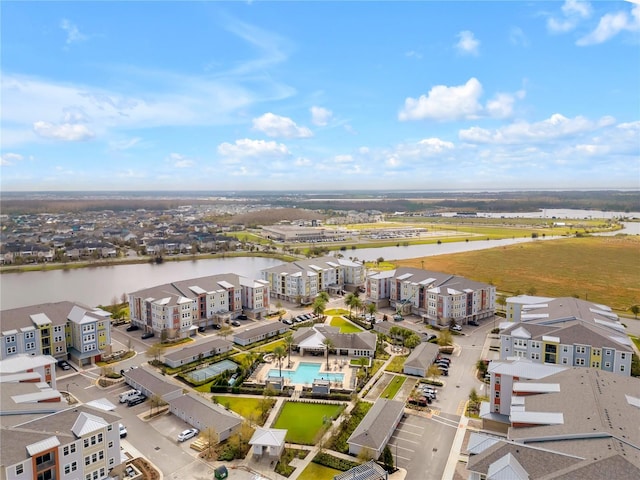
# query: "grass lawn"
245 406
396 365
345 325
305 432
318 472
393 387
635 340
554 268
336 311
270 347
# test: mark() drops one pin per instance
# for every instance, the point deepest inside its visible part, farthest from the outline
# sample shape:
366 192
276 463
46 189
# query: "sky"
265 95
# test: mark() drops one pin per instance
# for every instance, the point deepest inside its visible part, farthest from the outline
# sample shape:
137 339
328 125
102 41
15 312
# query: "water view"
306 373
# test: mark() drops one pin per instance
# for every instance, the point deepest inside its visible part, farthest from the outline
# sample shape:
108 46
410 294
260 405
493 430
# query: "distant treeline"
386 202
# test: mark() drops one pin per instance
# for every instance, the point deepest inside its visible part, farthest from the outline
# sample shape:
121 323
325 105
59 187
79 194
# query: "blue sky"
320 95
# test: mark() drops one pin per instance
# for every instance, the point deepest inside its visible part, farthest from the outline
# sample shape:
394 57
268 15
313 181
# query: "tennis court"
211 371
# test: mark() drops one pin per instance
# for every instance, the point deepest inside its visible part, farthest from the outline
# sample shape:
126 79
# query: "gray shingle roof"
376 424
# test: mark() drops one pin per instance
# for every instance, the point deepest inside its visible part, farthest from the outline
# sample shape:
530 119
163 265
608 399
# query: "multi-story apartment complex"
305 279
567 331
179 308
78 443
63 330
438 297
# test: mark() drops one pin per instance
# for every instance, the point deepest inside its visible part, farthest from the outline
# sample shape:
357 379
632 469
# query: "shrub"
338 441
334 462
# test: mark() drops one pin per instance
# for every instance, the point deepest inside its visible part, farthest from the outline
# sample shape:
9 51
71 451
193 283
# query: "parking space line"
403 448
411 433
405 440
412 426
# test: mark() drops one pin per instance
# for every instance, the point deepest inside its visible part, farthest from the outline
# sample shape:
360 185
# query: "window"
595 364
29 335
607 364
100 437
86 442
43 458
48 475
581 349
11 350
30 346
580 362
497 394
87 461
10 339
535 356
110 445
70 467
565 360
623 356
622 368
19 469
565 349
69 449
596 352
111 461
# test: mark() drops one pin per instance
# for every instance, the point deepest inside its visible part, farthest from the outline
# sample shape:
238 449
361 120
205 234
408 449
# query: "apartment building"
179 308
75 443
568 332
303 280
438 297
64 330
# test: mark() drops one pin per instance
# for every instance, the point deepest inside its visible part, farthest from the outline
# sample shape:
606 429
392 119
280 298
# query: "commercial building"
177 309
303 280
312 340
64 330
439 298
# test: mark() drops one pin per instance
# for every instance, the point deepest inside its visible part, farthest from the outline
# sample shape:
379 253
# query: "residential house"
205 415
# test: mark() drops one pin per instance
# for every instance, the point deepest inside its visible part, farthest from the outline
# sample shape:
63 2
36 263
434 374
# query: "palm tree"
348 301
318 306
328 345
288 343
635 309
324 296
279 353
357 304
372 309
412 341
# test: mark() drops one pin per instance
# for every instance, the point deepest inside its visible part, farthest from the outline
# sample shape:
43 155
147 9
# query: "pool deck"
337 365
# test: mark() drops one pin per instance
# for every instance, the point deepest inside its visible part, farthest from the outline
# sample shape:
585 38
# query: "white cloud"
247 148
67 132
320 116
610 25
556 126
343 159
518 37
501 105
7 159
573 12
445 103
180 161
73 33
277 126
392 162
414 54
121 145
302 162
467 44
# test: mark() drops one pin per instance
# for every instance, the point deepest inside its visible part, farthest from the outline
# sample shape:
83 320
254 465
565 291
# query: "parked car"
147 335
123 431
187 434
136 400
64 365
215 326
201 329
286 321
456 328
442 363
235 323
243 317
132 327
474 323
128 395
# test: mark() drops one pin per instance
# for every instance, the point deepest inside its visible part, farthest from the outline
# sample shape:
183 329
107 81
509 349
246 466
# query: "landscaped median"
393 387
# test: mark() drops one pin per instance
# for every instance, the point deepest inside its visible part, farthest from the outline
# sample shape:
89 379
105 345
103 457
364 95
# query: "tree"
328 345
211 436
288 343
279 353
371 310
635 309
154 351
324 296
348 301
474 400
445 339
412 341
433 372
365 454
318 306
155 401
358 304
225 331
502 301
387 458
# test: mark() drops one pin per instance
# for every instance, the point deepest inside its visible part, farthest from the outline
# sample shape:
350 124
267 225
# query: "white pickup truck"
125 396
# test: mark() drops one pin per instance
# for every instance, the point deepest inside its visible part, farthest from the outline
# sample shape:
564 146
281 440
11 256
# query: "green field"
305 432
393 387
600 269
336 311
318 472
345 325
245 406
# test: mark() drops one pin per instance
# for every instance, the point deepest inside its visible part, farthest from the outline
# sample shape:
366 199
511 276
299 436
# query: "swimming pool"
306 373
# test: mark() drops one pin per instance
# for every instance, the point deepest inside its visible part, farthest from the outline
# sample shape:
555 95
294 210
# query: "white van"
126 396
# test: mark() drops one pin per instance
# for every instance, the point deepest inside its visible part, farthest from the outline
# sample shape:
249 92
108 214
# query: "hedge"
334 462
